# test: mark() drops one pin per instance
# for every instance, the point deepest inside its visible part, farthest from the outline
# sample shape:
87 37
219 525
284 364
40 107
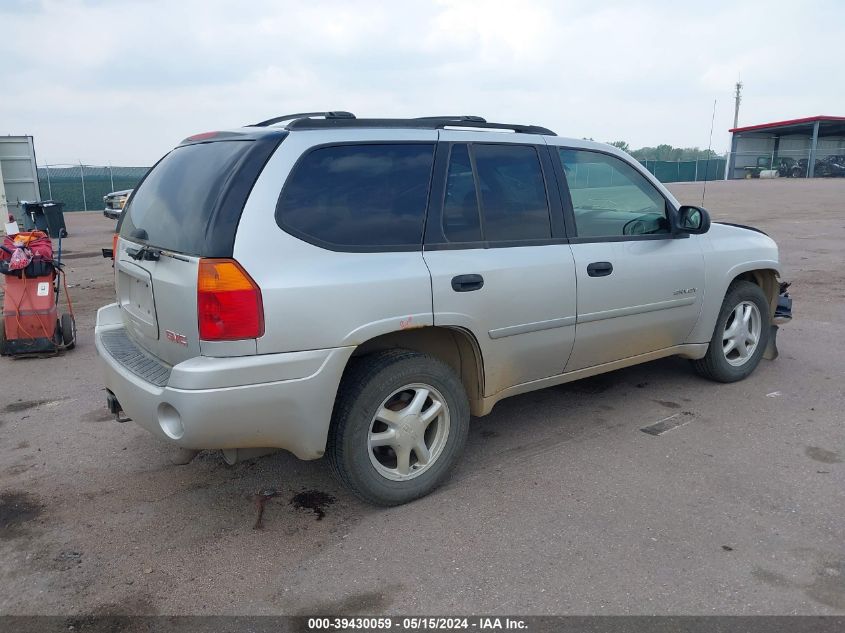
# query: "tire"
68 328
2 337
366 438
732 366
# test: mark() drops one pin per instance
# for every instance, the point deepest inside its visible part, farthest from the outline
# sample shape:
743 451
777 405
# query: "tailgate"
158 302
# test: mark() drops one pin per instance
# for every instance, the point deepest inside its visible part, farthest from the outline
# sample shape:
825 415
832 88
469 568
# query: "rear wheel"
401 421
68 328
740 337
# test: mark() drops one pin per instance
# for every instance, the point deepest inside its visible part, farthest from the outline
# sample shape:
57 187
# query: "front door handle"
467 283
599 269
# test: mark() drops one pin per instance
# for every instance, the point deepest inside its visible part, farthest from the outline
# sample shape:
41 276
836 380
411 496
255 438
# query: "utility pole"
737 99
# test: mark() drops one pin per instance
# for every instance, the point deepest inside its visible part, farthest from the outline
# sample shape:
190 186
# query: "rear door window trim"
435 238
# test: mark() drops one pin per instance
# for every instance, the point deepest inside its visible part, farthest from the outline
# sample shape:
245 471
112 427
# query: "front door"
640 287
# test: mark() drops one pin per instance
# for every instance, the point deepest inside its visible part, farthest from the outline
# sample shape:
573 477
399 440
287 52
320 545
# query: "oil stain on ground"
23 405
16 510
314 500
822 455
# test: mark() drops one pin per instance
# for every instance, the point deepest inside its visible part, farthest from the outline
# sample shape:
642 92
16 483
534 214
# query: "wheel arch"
767 279
763 273
455 346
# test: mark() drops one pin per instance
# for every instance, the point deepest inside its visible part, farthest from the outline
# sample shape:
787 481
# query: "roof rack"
334 114
428 123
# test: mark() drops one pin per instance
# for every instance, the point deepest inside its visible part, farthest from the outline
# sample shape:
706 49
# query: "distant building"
792 147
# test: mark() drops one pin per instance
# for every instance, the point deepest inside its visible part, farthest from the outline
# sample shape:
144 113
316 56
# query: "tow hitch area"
115 408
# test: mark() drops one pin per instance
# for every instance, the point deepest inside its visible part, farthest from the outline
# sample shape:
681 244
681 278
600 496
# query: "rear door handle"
599 269
467 283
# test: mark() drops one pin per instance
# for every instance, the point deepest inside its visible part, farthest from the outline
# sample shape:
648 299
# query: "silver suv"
358 288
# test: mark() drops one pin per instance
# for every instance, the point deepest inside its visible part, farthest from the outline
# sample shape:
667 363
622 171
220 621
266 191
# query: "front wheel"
740 336
400 422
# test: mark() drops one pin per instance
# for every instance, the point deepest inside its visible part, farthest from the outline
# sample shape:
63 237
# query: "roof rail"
334 114
426 123
457 117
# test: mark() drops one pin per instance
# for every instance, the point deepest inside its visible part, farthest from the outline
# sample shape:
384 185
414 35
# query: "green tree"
623 145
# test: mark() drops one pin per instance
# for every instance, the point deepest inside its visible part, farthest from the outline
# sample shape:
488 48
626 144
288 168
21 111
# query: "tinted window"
176 200
359 195
513 194
460 205
610 197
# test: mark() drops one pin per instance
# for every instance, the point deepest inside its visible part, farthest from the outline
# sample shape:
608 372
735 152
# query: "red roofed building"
792 147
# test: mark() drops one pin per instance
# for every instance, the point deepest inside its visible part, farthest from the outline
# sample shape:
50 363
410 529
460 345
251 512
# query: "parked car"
115 202
357 288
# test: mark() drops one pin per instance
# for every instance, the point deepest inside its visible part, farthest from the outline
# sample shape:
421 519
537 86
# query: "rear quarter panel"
315 298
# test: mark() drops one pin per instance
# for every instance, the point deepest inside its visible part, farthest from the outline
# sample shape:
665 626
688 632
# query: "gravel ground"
560 506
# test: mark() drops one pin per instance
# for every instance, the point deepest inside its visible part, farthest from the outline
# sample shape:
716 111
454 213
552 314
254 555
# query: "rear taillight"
228 302
114 245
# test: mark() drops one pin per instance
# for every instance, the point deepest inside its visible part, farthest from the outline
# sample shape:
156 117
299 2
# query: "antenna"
709 149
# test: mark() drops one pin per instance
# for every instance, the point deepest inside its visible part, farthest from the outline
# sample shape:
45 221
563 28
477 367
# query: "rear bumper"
271 400
113 214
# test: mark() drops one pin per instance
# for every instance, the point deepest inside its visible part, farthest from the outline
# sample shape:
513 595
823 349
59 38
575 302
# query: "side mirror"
693 220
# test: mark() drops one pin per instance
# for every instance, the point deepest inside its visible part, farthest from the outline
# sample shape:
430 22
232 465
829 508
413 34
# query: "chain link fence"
687 170
82 187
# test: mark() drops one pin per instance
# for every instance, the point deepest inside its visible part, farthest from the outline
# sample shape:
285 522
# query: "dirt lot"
561 504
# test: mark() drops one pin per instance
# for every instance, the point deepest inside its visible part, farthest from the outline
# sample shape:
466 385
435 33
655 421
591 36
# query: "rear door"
499 262
640 287
187 207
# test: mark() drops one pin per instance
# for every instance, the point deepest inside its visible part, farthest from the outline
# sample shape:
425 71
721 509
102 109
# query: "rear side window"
359 196
460 204
513 194
175 202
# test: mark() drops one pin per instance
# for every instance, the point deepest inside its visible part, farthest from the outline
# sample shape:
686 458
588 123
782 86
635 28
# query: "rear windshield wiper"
146 253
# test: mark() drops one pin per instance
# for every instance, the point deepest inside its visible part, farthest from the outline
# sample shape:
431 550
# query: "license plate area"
137 299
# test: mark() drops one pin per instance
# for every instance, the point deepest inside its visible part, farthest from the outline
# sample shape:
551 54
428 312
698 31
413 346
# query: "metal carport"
807 139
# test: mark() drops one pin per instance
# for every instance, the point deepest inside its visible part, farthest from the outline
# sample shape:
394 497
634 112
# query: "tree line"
666 152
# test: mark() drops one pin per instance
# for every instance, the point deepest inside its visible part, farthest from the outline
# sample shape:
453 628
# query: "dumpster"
47 216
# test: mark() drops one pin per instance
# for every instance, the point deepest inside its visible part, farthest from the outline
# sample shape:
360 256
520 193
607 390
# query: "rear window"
359 196
176 201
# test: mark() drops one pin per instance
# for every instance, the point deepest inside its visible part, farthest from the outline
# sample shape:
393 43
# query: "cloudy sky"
122 81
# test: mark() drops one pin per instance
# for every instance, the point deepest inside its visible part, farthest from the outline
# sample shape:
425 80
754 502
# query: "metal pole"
811 162
82 176
731 167
111 177
49 184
